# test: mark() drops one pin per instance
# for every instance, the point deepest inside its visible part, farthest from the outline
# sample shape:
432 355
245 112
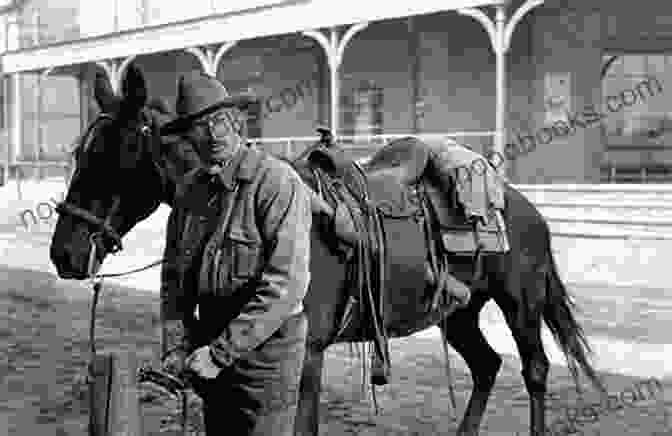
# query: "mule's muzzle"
69 265
105 229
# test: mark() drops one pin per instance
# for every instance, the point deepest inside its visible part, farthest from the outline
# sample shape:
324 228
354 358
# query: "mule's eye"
145 130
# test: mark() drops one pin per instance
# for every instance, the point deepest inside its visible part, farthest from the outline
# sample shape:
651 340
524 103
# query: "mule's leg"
308 416
463 334
526 332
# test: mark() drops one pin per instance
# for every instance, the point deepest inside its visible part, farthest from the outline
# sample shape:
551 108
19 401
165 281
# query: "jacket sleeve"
285 220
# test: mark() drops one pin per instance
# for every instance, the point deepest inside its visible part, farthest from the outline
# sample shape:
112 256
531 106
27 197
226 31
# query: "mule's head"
117 180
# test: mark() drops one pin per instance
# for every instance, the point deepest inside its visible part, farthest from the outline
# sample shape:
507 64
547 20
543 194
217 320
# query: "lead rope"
96 281
96 285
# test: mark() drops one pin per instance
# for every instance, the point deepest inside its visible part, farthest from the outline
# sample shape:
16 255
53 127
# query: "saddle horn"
326 137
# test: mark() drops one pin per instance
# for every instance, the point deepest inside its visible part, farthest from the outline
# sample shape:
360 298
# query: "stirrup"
452 284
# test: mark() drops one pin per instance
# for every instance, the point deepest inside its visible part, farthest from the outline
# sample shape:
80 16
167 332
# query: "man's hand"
201 363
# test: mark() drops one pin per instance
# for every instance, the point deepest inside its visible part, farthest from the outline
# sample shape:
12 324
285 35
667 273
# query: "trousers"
258 394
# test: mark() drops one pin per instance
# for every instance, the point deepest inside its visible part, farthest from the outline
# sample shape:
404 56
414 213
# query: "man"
238 265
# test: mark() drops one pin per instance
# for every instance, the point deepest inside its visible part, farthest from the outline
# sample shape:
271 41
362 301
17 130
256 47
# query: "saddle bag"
457 233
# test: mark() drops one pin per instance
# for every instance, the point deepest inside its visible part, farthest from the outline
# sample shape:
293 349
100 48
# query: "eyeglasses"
220 126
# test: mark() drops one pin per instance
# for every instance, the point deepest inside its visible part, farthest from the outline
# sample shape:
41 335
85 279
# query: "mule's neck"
181 159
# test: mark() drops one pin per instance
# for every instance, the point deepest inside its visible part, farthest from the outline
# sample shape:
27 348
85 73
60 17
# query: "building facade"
570 91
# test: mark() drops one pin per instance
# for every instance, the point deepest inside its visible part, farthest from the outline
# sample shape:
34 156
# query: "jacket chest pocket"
228 267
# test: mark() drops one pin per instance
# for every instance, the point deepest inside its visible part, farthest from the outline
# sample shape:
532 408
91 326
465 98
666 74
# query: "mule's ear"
134 88
103 93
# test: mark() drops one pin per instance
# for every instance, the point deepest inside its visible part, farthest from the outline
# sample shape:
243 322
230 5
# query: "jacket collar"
197 185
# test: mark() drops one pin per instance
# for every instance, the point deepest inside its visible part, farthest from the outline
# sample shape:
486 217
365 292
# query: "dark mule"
121 178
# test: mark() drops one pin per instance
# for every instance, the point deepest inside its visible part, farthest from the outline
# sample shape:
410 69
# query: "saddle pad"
462 240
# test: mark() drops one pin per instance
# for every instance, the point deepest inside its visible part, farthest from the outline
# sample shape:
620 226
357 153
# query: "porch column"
500 32
16 117
210 57
414 69
6 126
38 124
40 128
85 96
334 48
500 48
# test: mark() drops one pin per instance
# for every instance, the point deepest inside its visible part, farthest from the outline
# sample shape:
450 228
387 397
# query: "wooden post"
99 390
115 397
124 418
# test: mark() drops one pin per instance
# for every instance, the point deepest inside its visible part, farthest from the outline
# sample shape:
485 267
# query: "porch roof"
283 17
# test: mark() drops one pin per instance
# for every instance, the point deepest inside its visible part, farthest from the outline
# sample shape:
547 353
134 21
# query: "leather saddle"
398 176
405 159
403 180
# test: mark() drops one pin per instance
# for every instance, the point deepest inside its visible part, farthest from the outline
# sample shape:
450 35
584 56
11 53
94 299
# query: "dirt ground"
43 335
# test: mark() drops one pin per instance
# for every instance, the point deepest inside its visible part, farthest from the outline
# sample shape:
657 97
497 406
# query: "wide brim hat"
199 95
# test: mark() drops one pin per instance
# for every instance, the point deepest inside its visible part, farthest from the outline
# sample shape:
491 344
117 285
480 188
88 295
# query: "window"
362 110
631 87
637 126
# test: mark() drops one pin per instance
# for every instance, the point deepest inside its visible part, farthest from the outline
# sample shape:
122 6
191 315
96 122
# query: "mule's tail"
559 316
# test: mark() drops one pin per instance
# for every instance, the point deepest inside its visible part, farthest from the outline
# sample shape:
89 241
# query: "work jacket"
262 265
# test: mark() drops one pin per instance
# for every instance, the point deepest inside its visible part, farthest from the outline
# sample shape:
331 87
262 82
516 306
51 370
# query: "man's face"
216 136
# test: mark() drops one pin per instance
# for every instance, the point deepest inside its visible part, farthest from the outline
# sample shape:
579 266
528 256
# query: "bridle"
103 225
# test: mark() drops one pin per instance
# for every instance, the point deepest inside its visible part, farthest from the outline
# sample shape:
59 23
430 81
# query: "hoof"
380 376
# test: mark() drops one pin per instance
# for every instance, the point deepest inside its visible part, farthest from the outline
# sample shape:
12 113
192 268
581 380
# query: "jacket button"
187 252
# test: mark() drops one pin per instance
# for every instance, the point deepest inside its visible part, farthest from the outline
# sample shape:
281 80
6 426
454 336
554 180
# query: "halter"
104 225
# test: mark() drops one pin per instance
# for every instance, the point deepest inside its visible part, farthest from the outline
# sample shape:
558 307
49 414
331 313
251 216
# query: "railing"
358 145
647 164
